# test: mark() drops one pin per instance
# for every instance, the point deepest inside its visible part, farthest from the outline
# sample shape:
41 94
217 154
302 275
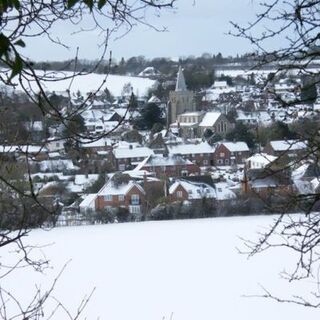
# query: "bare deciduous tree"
20 207
295 26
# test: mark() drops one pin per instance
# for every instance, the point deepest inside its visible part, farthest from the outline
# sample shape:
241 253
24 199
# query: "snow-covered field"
91 82
147 271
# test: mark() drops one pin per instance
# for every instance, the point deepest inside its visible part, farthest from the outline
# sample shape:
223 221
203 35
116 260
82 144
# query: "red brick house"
231 153
128 195
171 166
201 154
182 190
126 158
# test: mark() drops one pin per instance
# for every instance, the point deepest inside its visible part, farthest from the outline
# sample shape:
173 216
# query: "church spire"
181 83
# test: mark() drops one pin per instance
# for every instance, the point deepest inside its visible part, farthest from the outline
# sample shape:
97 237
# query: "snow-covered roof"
195 190
199 148
223 192
82 179
261 116
110 188
299 172
154 99
285 145
209 119
74 188
219 84
138 152
303 186
267 182
22 149
236 146
149 71
88 201
57 165
157 160
260 160
96 143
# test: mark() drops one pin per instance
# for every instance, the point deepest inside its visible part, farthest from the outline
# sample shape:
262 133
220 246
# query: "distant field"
91 82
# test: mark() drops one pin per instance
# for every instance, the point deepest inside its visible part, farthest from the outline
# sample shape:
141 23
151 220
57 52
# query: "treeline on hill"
135 65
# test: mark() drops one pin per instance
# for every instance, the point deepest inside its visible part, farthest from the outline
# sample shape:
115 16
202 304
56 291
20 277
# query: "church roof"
181 83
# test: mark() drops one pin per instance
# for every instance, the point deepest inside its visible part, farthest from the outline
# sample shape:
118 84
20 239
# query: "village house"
170 166
216 122
254 118
188 124
288 148
158 145
267 183
306 178
218 88
231 153
126 158
182 190
98 121
259 161
127 194
88 204
55 144
37 153
185 190
201 154
96 148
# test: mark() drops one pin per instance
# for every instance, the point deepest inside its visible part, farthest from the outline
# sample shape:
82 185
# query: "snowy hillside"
91 82
146 271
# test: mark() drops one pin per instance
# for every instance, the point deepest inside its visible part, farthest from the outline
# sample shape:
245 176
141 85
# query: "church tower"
180 100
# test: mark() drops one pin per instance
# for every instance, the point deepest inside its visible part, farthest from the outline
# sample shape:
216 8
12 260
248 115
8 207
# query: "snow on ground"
263 73
91 82
147 271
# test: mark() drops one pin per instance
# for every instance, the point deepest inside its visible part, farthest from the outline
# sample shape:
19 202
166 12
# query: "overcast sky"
194 28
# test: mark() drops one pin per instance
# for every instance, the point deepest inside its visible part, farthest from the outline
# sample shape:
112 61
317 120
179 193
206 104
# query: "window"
184 173
121 197
179 194
134 209
108 197
122 167
220 161
222 155
205 162
135 199
227 161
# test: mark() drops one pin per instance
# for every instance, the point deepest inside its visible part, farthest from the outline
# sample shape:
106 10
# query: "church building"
180 100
